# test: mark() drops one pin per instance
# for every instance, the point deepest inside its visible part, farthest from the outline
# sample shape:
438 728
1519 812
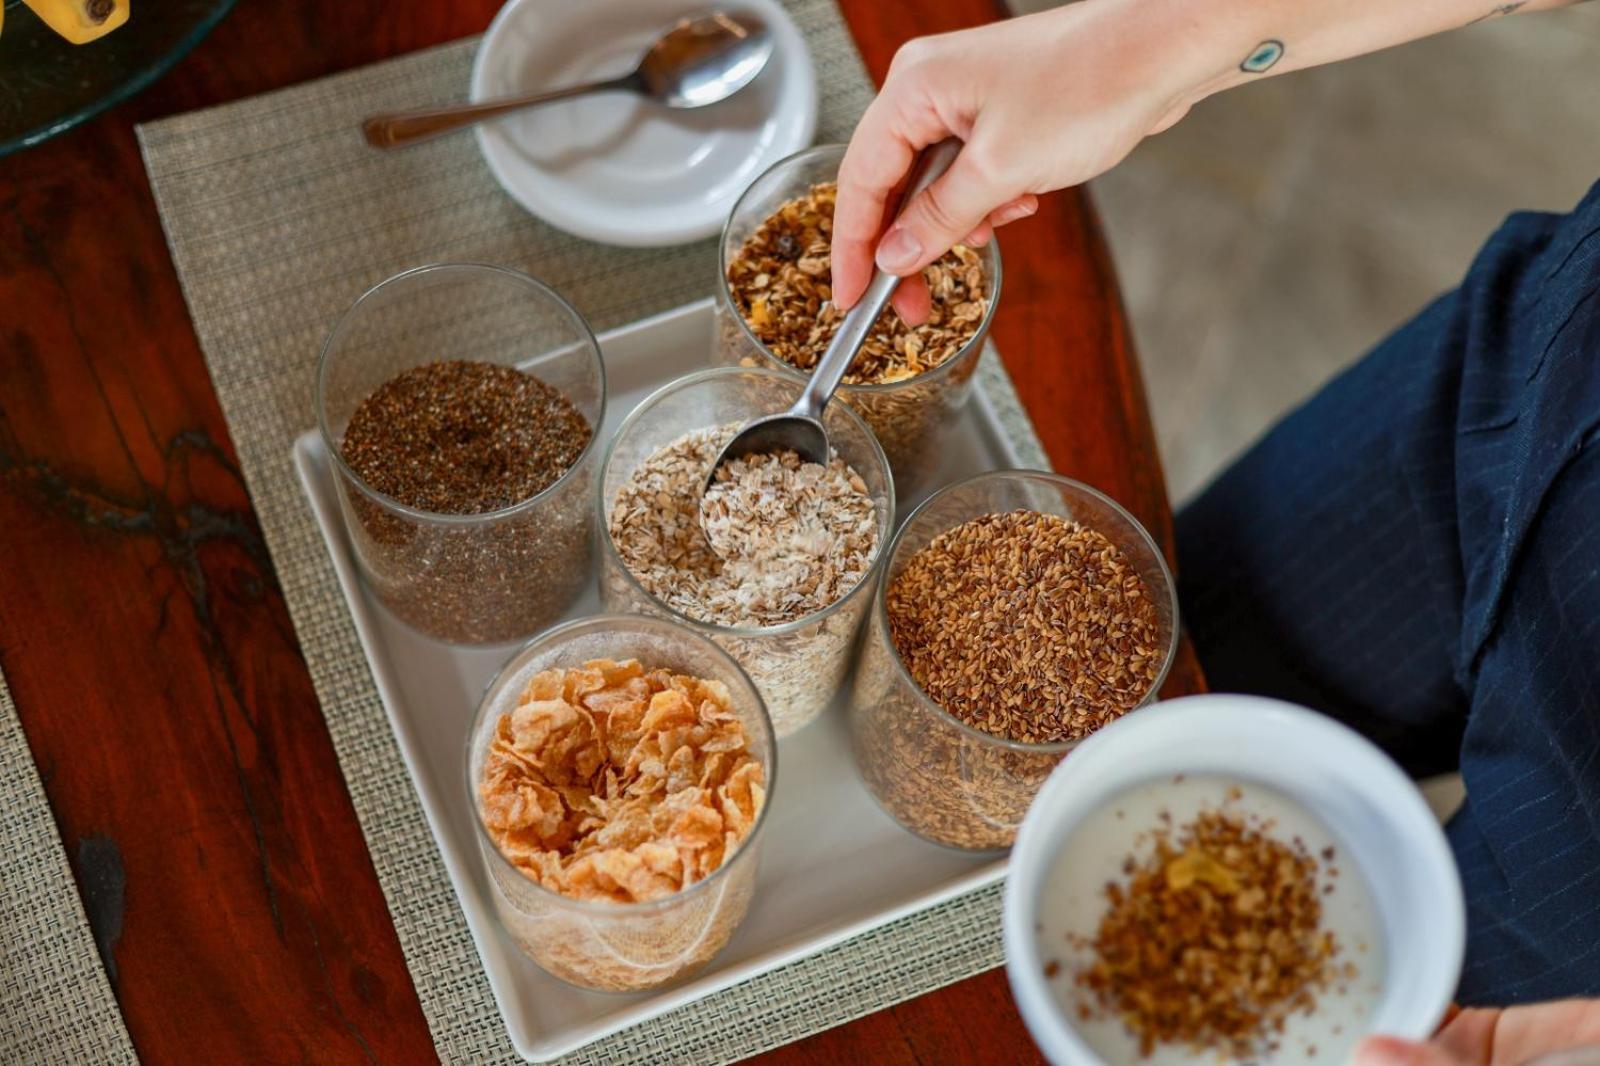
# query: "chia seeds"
459 439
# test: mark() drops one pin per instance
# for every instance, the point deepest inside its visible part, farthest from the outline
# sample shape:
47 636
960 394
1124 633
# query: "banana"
81 21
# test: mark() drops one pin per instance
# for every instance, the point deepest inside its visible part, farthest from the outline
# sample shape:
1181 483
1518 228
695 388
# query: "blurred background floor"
1281 229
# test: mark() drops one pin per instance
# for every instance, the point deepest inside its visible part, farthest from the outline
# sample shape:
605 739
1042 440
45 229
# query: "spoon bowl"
697 62
704 61
801 434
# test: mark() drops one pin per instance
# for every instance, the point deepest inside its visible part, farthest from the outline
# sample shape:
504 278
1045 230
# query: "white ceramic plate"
617 168
833 864
1366 802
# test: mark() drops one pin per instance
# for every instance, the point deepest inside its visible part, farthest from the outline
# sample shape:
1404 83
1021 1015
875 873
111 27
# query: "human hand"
1042 102
1562 1033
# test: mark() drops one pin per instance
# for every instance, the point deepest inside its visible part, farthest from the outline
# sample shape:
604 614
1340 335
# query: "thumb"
939 217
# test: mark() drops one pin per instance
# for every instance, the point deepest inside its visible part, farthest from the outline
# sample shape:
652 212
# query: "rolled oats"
792 539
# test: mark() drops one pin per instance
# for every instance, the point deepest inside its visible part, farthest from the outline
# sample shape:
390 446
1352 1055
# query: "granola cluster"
611 782
781 283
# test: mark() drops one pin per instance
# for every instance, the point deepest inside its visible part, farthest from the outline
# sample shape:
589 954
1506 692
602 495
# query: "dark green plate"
48 85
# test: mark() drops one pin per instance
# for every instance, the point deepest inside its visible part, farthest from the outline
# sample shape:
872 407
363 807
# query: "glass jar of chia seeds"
460 405
910 409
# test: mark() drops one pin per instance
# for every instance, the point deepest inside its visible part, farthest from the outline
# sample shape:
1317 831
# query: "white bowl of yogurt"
1388 886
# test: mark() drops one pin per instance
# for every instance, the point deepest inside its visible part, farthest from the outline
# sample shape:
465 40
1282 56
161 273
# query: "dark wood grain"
147 643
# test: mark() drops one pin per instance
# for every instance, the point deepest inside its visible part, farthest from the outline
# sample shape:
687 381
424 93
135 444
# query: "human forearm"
1243 40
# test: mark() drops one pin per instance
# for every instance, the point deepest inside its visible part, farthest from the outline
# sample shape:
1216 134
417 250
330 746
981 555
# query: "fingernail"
898 252
1012 213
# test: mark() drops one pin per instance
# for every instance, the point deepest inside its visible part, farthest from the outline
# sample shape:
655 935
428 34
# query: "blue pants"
1416 551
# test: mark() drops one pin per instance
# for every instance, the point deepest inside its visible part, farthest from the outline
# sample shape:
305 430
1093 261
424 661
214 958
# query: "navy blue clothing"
1417 552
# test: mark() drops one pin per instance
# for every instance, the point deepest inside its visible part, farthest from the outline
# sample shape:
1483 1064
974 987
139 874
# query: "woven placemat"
56 1005
278 216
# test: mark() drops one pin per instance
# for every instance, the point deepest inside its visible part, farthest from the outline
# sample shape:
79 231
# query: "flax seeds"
1026 626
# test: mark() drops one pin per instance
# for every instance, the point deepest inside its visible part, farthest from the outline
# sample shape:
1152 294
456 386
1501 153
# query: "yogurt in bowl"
1301 834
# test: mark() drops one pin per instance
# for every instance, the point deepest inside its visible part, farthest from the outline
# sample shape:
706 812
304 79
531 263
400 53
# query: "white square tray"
833 864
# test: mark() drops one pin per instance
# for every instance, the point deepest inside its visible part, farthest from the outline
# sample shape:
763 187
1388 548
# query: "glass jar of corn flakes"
596 942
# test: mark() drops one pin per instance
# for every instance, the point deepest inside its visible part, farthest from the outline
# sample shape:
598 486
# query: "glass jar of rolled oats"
640 904
773 309
791 625
993 569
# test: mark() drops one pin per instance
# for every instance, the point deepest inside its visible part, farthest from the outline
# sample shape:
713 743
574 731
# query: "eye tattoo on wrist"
1262 57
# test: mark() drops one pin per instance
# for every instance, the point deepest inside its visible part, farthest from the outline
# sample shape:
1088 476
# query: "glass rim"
124 90
1057 481
586 338
885 535
621 622
980 335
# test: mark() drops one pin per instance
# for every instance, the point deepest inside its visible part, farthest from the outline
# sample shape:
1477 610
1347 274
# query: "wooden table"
147 644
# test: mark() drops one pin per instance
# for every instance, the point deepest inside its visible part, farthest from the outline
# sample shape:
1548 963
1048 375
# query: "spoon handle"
859 320
399 128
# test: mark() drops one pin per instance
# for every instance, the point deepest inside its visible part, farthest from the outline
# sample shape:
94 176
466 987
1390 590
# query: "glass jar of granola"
1037 609
643 884
791 625
773 309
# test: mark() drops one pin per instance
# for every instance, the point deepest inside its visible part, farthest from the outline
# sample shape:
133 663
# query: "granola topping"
1214 940
1200 917
781 284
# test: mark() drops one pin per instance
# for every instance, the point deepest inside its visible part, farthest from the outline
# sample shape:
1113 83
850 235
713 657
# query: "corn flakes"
610 782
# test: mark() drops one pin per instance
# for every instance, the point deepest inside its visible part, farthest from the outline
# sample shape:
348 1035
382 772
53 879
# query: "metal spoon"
800 429
697 62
